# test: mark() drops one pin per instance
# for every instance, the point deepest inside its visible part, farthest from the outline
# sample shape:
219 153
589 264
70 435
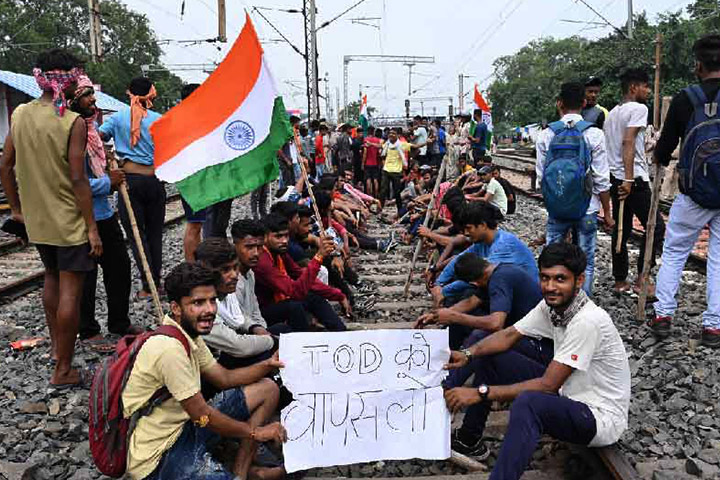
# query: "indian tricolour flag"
363 120
486 114
221 141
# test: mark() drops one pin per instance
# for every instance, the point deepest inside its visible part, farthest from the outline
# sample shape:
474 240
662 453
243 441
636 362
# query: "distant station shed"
16 89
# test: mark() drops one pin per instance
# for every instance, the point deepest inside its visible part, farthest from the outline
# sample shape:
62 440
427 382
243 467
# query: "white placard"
364 396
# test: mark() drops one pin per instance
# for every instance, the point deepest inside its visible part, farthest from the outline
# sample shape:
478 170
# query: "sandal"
85 376
99 345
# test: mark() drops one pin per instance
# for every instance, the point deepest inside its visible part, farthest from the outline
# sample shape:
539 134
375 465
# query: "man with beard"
175 439
241 340
44 178
583 395
284 288
115 260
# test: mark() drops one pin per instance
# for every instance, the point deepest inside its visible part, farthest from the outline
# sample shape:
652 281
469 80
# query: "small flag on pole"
221 141
363 120
482 105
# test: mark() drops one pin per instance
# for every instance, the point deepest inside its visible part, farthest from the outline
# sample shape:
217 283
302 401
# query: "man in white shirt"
570 103
494 192
583 395
421 137
238 335
625 139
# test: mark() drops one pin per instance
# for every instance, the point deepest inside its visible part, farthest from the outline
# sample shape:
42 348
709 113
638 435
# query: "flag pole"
123 189
306 179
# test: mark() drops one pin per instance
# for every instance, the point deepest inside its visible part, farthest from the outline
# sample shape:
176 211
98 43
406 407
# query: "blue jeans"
189 458
533 414
586 230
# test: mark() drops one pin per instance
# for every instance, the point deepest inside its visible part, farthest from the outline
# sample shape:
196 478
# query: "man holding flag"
480 138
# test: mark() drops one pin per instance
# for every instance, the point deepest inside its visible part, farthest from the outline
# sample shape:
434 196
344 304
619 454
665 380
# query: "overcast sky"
462 35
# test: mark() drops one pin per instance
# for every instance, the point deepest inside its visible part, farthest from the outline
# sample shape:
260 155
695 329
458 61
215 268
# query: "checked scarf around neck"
561 320
139 105
95 148
57 81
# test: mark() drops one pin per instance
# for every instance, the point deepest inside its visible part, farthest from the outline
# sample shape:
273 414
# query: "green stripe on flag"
242 174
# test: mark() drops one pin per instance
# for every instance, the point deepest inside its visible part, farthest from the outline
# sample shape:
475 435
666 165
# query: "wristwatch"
467 353
484 391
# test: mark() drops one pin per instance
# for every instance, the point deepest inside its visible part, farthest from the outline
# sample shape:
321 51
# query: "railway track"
21 270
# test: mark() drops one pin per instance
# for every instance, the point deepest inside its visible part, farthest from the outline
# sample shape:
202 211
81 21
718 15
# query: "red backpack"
110 431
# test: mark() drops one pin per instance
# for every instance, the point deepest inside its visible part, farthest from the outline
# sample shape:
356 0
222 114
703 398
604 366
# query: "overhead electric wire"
600 15
325 24
278 32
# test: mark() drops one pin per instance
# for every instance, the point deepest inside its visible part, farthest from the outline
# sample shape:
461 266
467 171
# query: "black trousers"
147 196
258 201
296 314
637 204
394 180
115 263
217 219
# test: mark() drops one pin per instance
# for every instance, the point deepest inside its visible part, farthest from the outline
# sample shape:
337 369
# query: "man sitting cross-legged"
288 293
582 396
505 294
241 339
174 441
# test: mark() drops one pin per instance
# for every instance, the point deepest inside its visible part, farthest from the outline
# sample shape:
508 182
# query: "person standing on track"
570 103
687 216
371 163
43 175
115 260
478 140
129 128
320 152
581 396
630 182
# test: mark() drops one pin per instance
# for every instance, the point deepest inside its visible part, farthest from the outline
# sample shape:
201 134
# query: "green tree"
31 26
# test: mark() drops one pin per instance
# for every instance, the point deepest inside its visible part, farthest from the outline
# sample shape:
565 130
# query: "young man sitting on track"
582 396
504 294
174 441
288 293
241 340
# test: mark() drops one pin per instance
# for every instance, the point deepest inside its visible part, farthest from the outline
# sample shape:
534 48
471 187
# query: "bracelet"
252 434
318 257
203 421
630 180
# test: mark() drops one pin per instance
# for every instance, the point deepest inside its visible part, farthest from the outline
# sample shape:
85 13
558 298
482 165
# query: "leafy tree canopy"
527 82
30 26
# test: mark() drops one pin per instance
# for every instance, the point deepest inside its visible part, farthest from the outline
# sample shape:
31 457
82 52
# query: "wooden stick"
418 247
138 240
621 214
649 239
655 195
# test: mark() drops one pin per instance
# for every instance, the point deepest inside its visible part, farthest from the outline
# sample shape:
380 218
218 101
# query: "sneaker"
472 448
390 244
711 337
660 326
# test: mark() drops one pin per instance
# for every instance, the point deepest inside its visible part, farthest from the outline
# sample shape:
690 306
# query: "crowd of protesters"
525 329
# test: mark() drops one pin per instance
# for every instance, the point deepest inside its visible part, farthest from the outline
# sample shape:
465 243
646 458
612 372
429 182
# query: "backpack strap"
174 332
557 127
702 107
697 96
583 125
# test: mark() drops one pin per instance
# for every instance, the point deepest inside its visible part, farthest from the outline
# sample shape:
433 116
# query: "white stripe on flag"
224 144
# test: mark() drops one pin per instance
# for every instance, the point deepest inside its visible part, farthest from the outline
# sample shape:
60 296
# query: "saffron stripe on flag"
243 174
230 84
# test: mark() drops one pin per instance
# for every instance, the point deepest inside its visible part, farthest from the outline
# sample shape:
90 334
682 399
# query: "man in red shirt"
320 151
371 163
288 293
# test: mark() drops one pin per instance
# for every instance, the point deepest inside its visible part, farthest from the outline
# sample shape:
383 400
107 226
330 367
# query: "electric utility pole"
95 30
630 26
311 63
222 32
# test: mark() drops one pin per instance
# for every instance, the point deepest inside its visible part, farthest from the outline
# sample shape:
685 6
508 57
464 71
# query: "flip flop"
86 375
99 345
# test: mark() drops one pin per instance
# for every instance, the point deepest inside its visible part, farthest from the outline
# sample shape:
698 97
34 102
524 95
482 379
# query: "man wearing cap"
593 112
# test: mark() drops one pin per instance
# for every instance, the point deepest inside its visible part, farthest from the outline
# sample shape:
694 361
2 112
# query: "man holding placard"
583 395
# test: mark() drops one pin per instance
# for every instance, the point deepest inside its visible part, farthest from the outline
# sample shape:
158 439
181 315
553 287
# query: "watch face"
483 389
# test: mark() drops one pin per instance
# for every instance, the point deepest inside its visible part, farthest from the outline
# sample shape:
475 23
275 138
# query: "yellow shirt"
161 362
393 161
468 168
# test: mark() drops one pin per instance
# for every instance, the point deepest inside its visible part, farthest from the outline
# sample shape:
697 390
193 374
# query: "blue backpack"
567 181
699 165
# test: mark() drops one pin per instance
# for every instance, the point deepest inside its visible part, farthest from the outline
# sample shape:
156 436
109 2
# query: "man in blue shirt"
497 246
129 128
114 260
478 140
